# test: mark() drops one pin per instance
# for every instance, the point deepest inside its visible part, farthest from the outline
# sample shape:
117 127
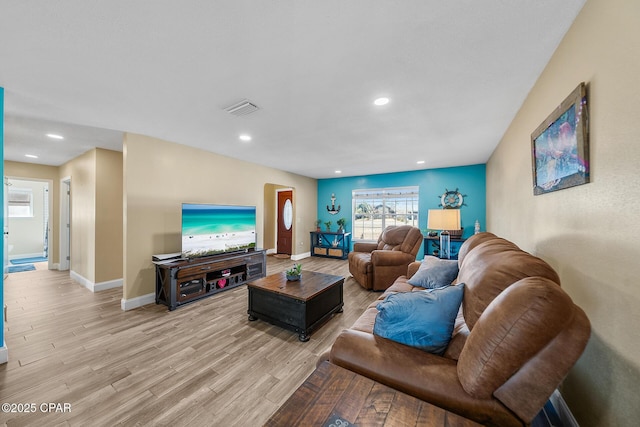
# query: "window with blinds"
375 209
20 202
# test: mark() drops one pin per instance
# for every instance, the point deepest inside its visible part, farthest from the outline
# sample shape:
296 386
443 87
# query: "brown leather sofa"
516 337
376 265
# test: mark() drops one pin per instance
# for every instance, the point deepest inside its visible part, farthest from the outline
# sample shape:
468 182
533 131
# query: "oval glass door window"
287 213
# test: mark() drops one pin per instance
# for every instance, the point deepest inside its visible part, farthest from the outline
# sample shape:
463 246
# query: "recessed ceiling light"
420 162
338 172
31 156
55 136
381 101
245 137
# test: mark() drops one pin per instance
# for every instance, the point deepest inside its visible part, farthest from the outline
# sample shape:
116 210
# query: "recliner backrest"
404 238
523 346
490 268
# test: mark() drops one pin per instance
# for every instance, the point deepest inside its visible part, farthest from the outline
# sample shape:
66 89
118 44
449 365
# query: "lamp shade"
443 219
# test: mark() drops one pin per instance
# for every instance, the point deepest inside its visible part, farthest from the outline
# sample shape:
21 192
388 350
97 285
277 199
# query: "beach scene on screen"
210 230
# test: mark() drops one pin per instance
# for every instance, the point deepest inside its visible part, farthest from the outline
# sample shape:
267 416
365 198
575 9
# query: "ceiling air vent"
242 108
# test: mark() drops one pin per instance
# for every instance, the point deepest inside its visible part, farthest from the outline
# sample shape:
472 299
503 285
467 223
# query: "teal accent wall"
469 180
2 216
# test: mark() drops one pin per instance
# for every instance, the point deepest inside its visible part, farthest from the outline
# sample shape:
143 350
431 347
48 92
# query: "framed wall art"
560 146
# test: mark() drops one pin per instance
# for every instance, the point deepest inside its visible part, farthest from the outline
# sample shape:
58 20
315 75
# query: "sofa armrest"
391 258
364 247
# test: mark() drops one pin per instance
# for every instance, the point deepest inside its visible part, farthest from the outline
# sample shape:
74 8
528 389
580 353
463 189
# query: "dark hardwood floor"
202 364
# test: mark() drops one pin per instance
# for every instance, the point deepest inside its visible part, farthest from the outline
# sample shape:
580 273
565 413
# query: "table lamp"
444 220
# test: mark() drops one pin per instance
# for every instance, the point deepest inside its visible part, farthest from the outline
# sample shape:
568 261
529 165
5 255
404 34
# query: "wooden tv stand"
184 281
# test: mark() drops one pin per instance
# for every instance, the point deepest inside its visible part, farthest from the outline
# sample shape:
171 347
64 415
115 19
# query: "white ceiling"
456 73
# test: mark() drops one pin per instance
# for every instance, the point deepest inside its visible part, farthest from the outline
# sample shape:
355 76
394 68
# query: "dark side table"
336 396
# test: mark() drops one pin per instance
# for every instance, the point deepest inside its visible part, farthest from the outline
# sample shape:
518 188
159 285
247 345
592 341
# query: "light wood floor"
202 364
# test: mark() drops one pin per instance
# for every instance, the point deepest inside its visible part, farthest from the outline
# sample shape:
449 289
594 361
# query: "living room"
565 228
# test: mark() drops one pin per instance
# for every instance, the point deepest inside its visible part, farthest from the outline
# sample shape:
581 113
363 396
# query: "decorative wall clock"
452 199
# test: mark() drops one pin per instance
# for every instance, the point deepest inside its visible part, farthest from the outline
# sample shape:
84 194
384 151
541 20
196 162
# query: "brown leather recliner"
377 265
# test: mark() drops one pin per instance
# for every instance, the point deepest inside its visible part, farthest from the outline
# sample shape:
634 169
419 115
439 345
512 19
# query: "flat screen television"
215 229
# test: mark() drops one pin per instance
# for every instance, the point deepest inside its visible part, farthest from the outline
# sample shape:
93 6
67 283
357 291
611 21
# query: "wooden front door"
285 222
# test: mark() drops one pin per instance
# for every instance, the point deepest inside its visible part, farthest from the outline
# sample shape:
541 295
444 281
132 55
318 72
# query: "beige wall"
82 171
588 233
45 173
109 216
96 214
160 175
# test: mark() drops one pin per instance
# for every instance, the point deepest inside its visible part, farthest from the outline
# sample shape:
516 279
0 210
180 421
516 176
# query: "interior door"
285 222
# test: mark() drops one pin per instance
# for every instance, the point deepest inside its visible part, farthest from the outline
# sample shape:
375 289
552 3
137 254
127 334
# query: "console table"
330 245
432 246
183 281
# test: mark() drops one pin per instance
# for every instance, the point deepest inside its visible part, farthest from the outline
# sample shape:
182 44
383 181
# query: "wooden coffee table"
335 396
301 305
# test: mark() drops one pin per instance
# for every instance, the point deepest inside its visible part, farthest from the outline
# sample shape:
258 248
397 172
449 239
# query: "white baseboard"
55 266
271 251
130 304
95 287
300 256
563 410
4 354
110 284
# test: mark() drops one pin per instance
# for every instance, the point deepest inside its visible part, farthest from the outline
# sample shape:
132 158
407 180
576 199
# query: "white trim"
130 304
271 251
563 410
103 286
4 353
300 256
56 266
95 287
80 279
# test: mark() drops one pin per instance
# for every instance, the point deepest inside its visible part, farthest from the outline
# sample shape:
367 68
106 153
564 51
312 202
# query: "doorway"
27 228
284 231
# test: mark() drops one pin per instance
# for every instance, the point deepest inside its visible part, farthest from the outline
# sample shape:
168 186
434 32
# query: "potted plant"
328 225
318 222
341 223
294 272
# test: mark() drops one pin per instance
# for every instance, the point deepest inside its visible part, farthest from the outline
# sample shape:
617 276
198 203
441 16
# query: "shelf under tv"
184 281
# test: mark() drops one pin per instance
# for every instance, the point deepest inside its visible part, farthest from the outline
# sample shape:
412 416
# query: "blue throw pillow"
422 319
435 273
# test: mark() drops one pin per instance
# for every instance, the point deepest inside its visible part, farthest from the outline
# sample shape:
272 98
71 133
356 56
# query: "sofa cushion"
424 319
401 284
435 273
365 322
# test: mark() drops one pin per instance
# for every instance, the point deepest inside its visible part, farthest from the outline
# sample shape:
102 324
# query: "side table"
336 396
